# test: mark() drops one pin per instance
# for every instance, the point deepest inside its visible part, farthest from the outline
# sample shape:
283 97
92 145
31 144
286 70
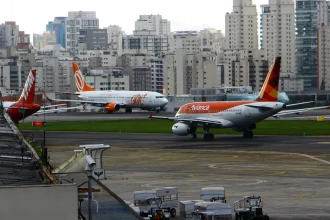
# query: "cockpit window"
159 97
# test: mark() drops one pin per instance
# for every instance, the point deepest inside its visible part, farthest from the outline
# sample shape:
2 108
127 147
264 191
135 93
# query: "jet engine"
112 107
181 129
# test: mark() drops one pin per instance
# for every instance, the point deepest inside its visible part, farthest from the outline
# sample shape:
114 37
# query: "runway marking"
193 175
281 173
235 156
257 182
212 166
323 142
163 158
299 198
283 153
314 158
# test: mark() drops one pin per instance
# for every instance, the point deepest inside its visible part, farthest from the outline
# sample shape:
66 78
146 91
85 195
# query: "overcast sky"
33 15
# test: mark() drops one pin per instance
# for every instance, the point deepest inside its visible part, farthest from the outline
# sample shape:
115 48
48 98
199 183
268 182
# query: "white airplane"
25 106
114 100
241 116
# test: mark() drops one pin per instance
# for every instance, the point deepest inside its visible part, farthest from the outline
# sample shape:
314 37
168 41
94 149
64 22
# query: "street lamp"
44 148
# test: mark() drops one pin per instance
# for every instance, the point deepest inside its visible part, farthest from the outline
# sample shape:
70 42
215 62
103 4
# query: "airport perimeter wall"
51 202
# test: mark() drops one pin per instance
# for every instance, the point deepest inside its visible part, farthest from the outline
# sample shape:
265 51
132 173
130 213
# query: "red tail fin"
27 95
269 90
81 84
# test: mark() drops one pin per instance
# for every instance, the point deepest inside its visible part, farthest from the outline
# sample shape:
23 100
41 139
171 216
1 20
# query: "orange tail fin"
269 90
164 90
27 95
81 84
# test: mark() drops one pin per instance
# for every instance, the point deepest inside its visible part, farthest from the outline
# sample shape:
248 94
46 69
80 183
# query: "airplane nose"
165 101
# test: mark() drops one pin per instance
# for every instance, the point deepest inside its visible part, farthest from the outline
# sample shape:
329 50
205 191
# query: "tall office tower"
310 15
78 20
153 23
58 27
278 33
241 26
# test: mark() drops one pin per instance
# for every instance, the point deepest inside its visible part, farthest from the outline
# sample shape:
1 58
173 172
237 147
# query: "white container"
186 207
215 207
208 193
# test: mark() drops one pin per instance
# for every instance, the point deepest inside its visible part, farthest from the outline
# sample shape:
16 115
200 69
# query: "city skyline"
32 20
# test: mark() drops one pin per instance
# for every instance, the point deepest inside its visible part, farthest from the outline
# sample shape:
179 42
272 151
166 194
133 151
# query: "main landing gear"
128 110
208 136
248 134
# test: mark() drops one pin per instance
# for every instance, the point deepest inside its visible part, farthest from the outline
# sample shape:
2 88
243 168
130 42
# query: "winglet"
150 117
46 97
81 84
28 92
269 90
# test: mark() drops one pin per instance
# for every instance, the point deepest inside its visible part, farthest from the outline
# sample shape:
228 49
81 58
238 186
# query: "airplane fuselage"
129 99
231 114
18 111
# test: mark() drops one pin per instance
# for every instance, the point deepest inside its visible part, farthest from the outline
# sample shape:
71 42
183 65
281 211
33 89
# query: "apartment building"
115 38
278 33
54 69
158 73
212 40
93 39
186 71
107 78
44 39
241 26
154 23
156 45
189 41
75 21
9 33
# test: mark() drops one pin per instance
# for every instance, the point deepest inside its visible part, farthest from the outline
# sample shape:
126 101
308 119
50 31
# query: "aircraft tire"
208 137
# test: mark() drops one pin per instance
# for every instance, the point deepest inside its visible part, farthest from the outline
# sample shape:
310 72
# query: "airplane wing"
297 111
58 110
300 103
51 106
80 101
200 120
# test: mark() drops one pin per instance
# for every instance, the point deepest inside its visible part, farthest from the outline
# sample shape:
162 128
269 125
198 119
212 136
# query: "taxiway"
292 174
85 116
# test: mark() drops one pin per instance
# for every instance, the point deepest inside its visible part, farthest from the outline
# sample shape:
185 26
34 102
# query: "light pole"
44 149
89 169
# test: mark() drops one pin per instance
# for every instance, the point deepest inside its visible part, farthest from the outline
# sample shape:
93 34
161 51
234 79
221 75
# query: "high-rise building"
93 39
310 15
323 46
9 33
75 21
212 40
241 26
115 38
58 27
189 41
155 45
187 70
153 23
278 33
46 38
